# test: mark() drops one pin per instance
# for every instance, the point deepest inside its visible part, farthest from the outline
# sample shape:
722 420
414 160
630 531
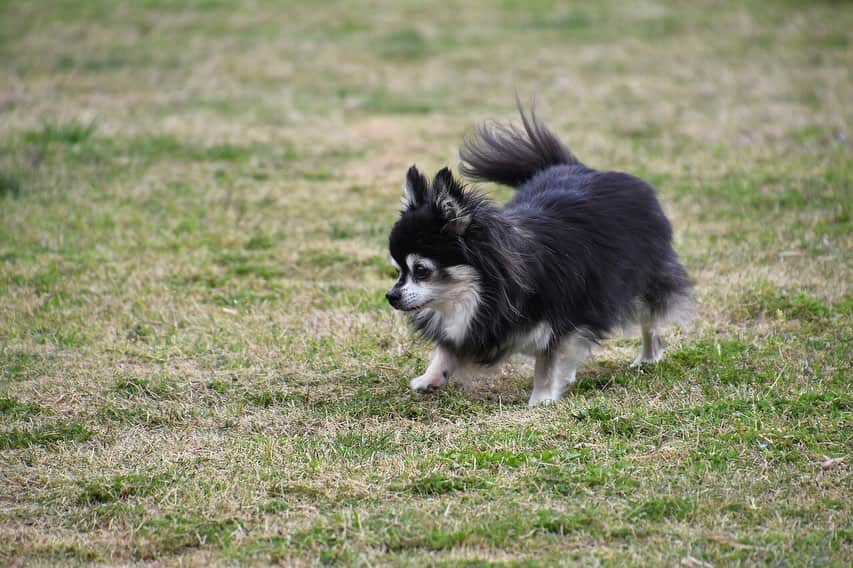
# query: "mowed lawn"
197 363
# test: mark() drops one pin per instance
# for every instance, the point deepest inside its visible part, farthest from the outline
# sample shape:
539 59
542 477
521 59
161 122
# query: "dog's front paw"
542 399
642 359
427 383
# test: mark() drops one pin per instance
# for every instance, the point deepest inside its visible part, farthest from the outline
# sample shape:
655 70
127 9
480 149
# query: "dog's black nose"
393 295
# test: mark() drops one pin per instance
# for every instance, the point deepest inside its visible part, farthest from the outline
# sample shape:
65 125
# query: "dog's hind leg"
556 369
652 350
668 300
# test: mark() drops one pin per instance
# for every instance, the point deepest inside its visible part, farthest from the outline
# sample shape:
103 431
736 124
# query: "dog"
574 255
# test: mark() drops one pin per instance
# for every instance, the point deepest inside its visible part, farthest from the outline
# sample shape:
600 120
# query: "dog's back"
600 244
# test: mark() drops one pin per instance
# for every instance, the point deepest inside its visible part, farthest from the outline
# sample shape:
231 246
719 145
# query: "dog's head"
427 245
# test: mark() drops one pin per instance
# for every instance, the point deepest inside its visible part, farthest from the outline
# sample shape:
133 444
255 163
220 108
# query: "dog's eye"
420 272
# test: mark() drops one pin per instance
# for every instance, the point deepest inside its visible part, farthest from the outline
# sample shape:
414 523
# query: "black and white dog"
574 255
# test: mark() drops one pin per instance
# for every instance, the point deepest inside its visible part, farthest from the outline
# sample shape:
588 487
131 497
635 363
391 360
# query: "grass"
197 363
44 435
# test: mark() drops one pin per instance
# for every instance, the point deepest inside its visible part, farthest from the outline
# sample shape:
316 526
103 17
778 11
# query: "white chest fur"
458 305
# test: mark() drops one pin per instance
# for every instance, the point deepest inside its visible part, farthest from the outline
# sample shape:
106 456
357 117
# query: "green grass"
120 487
10 186
404 44
15 408
197 362
44 435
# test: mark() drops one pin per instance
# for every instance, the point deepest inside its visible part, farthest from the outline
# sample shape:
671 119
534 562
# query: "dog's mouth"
416 308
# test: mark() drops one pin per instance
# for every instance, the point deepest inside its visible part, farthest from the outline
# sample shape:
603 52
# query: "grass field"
197 364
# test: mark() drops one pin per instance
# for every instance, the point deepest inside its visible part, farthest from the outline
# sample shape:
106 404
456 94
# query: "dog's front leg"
442 366
546 387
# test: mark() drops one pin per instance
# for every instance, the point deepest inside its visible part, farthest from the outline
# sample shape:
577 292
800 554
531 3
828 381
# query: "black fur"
577 248
503 154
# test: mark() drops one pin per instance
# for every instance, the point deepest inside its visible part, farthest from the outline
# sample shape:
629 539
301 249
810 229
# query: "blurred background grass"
196 361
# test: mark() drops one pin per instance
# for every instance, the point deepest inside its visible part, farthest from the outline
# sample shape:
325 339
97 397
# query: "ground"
197 364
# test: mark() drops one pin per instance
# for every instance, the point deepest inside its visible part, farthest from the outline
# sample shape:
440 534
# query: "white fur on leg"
652 350
550 394
557 370
438 372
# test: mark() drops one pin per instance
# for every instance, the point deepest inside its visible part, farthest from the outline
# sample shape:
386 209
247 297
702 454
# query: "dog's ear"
450 201
414 188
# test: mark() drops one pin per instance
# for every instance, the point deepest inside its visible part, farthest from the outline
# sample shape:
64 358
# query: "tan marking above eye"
414 259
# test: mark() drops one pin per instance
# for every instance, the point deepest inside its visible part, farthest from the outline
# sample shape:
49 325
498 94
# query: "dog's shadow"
513 382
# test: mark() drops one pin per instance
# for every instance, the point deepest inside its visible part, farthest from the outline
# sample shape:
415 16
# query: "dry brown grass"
196 362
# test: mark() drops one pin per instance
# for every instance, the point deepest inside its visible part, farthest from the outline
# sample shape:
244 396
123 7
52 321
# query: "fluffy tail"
504 154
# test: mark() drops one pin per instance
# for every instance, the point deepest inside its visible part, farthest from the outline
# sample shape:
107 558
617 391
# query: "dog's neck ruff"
449 318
